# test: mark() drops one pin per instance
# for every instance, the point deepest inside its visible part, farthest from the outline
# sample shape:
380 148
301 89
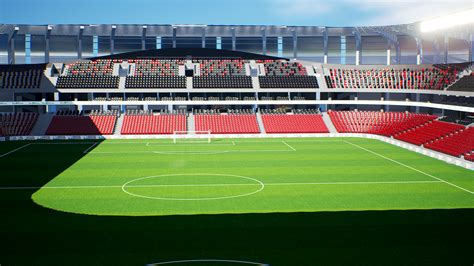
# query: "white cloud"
380 12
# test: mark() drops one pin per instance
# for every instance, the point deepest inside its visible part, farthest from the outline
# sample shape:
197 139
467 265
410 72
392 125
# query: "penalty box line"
409 167
57 143
232 184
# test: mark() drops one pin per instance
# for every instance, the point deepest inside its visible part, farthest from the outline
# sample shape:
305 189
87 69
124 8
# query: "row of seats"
295 123
427 132
21 76
389 78
224 82
227 124
82 125
94 68
17 124
80 82
156 67
456 144
172 82
380 123
225 67
465 83
153 124
288 82
283 68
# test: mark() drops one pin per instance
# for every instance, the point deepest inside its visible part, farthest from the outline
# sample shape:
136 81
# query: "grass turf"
293 238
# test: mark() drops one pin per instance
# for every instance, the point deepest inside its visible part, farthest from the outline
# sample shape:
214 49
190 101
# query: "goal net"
192 136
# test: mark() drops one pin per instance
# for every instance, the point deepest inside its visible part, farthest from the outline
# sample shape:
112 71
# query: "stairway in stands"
190 125
39 129
118 125
327 120
260 123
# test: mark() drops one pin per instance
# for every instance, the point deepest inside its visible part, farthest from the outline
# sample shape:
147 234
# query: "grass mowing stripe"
409 167
223 185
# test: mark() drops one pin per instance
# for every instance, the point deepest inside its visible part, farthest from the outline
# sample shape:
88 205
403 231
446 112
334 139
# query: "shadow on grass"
32 235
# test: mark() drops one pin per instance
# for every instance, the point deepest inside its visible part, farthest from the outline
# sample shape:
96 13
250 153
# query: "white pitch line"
409 167
92 146
17 149
284 142
183 152
225 185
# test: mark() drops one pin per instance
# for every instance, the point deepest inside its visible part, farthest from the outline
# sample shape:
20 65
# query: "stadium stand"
154 73
171 82
283 74
429 78
88 82
428 132
21 76
456 144
135 123
224 73
380 123
230 123
89 75
73 123
294 123
465 83
17 124
223 82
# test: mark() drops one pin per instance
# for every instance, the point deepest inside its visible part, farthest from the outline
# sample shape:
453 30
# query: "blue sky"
248 12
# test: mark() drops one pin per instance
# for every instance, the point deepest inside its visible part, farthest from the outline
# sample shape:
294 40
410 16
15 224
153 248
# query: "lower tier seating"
288 82
227 123
88 82
469 156
17 124
380 123
428 132
155 82
153 124
224 82
82 125
455 144
465 83
296 123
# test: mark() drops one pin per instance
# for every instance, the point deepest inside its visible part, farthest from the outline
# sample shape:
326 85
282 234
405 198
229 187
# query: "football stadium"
236 144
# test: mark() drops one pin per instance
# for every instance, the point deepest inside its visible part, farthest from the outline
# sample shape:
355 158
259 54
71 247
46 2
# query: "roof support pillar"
174 37
419 51
203 38
11 46
295 44
358 40
446 49
79 42
112 39
46 44
471 47
233 39
264 40
144 37
325 45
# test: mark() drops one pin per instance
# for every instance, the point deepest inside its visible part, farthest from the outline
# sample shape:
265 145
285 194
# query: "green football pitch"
264 177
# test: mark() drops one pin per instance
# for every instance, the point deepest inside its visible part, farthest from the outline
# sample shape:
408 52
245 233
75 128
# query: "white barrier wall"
418 149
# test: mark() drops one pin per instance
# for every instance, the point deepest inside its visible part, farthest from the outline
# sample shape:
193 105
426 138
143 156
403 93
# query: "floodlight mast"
446 22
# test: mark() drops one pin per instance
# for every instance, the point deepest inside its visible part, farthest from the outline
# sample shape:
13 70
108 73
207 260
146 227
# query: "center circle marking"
257 182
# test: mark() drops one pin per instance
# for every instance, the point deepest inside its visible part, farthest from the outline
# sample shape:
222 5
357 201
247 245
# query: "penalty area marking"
257 182
409 167
208 260
14 150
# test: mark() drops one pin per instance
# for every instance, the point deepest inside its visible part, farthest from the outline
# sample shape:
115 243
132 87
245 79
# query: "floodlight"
456 19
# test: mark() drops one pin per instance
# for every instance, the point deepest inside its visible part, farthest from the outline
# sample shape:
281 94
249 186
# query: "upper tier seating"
225 73
429 78
155 82
465 83
17 124
89 74
105 82
220 68
93 124
224 82
96 68
21 76
455 144
134 124
156 67
294 123
380 123
428 132
227 123
284 74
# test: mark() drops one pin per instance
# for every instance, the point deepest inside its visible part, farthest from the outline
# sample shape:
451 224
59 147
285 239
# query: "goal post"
203 136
